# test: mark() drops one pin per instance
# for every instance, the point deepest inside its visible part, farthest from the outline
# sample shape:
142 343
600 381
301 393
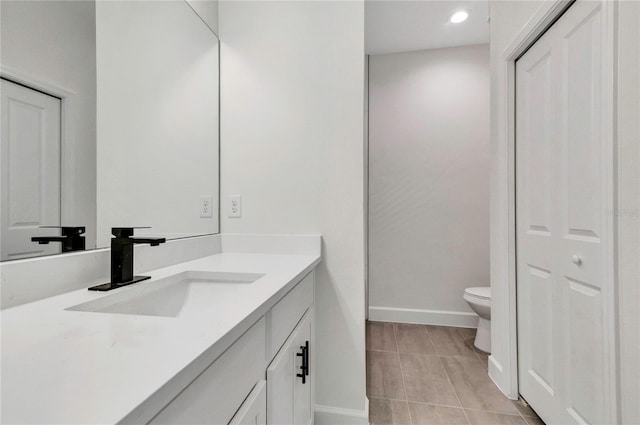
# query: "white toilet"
479 298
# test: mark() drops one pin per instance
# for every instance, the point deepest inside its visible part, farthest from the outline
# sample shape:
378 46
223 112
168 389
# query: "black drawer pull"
306 352
304 368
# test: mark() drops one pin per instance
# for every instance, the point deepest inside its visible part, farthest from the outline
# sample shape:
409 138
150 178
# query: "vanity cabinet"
215 395
233 390
254 409
285 315
290 378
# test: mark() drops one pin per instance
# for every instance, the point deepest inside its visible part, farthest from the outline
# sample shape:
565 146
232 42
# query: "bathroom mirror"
109 119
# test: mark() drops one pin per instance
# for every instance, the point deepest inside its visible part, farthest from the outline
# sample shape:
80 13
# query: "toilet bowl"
479 298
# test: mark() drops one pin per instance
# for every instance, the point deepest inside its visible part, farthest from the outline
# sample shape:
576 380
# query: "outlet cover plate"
206 206
235 206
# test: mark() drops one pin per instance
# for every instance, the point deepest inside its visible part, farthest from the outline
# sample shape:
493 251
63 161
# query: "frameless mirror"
109 119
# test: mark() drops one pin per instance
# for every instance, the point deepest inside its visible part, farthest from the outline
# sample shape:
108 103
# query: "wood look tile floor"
433 375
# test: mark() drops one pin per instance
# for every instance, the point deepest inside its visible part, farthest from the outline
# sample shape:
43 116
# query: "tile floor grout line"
385 398
459 407
493 411
404 387
433 345
382 351
430 404
464 340
449 406
463 358
428 354
454 390
391 325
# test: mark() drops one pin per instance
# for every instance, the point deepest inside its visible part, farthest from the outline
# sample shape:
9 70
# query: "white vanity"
230 351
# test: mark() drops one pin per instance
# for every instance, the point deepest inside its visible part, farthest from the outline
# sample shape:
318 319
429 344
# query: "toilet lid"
480 292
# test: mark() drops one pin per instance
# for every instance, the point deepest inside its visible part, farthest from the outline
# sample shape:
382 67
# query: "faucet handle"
71 238
125 232
67 230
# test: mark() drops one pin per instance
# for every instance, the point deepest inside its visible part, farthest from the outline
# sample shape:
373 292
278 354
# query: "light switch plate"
235 206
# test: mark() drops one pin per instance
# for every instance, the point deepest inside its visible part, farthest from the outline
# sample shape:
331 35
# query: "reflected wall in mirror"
109 119
157 118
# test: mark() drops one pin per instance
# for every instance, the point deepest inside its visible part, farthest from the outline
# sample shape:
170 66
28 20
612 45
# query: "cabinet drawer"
215 395
254 409
284 316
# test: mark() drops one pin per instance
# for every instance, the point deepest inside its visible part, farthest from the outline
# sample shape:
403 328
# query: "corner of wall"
208 12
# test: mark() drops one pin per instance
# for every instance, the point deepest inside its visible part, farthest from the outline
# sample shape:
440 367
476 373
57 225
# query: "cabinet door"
280 377
254 409
289 401
302 392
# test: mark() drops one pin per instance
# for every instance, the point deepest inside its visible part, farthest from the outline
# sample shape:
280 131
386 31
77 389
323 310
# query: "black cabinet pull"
306 352
303 367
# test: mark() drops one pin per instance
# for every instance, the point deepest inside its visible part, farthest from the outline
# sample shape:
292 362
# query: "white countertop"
62 366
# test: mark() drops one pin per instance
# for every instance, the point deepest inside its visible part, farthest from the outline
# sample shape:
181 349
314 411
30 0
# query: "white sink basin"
189 291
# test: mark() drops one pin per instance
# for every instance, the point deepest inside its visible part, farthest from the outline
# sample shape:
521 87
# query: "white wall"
429 183
507 19
53 43
157 118
292 78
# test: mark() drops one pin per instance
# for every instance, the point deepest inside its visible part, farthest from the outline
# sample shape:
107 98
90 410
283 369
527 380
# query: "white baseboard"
328 415
424 317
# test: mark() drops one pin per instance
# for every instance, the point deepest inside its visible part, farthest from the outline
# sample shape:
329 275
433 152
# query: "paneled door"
30 177
560 221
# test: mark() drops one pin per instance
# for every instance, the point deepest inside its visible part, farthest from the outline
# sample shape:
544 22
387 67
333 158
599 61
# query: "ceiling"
401 25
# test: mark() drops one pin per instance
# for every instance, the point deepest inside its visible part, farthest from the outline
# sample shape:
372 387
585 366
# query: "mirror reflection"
109 119
48 110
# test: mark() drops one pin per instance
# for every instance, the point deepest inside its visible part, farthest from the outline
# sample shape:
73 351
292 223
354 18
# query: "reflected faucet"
71 238
122 258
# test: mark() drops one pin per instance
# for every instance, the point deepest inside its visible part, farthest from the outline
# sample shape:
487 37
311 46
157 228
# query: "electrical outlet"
206 207
235 206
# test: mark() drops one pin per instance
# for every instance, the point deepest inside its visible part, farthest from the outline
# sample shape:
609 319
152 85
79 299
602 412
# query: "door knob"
576 259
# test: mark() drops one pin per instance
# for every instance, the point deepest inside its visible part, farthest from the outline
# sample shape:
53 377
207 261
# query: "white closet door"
560 209
30 170
539 294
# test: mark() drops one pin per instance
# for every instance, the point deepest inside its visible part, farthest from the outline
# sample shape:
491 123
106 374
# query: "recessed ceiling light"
458 17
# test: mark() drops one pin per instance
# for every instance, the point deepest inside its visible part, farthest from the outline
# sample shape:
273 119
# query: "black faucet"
122 258
71 238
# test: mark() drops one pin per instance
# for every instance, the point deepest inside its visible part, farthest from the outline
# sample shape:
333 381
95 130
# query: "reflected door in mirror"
30 170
